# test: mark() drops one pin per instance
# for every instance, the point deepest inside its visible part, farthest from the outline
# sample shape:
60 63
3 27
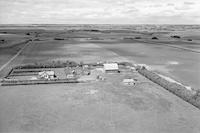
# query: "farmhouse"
47 75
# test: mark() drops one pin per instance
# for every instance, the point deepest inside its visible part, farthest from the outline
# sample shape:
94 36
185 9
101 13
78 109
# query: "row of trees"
191 96
53 64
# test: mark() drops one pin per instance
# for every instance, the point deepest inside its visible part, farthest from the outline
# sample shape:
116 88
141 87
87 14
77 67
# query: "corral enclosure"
108 106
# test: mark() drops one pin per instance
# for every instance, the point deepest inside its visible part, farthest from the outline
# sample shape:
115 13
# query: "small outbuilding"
70 76
129 81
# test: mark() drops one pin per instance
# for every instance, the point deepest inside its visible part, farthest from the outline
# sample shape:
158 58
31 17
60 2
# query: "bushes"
154 38
53 64
56 38
92 30
176 36
2 40
138 37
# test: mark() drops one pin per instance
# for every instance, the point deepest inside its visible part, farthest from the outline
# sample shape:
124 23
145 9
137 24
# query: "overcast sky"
100 11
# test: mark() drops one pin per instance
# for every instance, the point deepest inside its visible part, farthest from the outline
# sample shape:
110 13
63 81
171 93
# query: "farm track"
15 56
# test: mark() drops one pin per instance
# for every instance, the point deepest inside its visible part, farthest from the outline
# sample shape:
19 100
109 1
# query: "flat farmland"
107 106
181 65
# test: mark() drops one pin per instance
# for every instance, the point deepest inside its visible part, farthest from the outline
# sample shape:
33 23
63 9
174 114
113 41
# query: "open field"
101 106
179 64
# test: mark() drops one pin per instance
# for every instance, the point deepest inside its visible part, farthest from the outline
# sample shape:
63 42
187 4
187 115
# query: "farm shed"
129 81
111 67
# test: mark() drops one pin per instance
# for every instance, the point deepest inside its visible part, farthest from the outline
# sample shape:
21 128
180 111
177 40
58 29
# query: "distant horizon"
97 24
181 12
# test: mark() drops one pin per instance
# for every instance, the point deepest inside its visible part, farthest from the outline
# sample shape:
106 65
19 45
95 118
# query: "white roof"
128 80
111 66
47 72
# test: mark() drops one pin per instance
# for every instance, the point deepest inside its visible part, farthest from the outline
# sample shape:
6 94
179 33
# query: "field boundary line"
170 45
